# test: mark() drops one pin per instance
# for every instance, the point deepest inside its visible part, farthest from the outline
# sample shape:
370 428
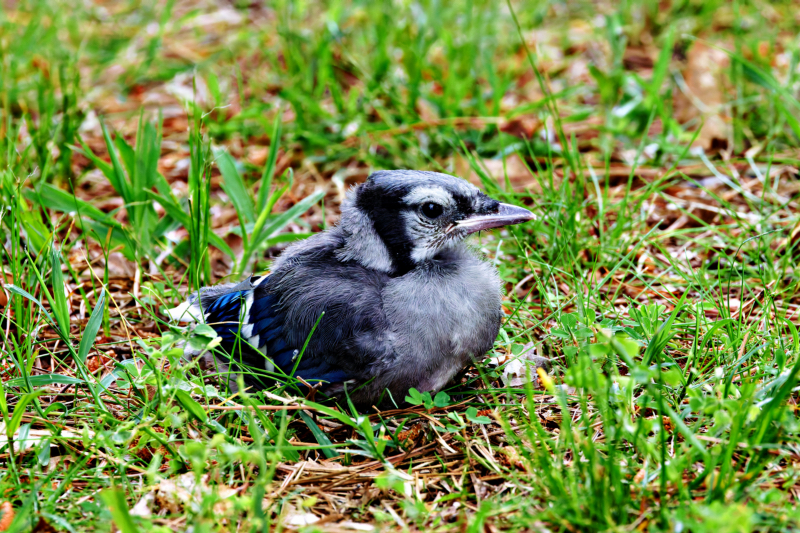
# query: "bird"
391 298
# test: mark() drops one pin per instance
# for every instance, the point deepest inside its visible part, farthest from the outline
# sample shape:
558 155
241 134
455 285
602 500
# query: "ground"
148 148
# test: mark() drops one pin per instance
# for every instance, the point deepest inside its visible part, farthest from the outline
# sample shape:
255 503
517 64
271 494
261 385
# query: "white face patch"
423 194
428 237
420 254
363 243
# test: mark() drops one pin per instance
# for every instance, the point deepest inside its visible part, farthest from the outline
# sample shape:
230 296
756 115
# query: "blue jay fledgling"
406 303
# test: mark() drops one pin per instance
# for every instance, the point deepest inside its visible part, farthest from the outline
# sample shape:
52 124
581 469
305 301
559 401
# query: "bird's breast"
442 317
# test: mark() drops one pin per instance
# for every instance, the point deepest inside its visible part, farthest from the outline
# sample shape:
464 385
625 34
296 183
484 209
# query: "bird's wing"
253 329
266 323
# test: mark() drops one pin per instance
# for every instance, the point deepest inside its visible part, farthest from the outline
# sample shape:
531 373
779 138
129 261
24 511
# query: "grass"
150 148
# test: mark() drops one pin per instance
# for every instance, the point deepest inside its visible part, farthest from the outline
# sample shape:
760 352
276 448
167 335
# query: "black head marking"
410 208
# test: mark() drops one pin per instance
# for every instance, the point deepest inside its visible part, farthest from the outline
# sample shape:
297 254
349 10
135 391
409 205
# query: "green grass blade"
319 435
58 302
46 379
92 327
115 501
19 411
234 186
25 294
285 218
269 169
117 175
57 199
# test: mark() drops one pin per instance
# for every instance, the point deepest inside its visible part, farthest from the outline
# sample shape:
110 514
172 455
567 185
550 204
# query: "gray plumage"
407 303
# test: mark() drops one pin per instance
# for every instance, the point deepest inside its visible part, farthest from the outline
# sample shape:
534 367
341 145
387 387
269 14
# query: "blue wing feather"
225 315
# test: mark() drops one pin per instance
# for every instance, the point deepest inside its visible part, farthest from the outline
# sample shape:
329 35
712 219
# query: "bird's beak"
506 215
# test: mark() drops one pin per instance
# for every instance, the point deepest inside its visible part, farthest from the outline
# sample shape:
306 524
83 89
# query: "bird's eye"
432 210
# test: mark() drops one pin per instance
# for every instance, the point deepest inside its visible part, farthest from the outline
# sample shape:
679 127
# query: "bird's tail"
226 309
199 305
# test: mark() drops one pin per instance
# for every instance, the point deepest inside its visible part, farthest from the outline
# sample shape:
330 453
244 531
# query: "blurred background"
334 90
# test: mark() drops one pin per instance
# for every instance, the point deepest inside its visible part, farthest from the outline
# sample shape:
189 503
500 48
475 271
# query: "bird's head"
399 219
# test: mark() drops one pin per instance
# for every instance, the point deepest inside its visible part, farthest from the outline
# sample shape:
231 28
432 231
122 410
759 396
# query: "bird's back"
415 330
343 300
266 321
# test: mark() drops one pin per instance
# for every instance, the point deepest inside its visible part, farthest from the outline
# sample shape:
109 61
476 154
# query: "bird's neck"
362 243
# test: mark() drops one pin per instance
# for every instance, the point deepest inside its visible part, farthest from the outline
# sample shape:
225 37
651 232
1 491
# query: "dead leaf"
703 95
510 458
516 371
7 516
42 526
175 494
142 507
300 519
520 177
